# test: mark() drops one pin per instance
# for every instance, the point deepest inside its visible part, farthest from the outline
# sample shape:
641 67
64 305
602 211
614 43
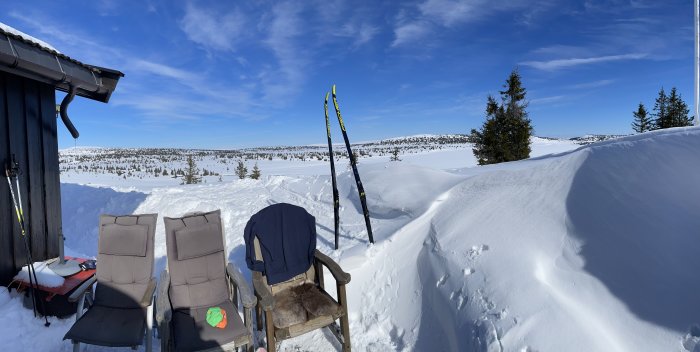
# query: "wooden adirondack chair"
301 304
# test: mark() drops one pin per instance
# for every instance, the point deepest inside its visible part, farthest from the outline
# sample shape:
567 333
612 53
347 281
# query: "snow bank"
593 250
4 296
399 189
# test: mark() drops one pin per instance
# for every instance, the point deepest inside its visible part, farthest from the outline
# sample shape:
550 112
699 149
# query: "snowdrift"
593 249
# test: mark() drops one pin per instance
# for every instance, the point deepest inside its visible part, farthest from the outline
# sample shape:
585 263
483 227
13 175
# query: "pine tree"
660 114
395 155
678 110
505 135
241 170
190 177
642 122
256 172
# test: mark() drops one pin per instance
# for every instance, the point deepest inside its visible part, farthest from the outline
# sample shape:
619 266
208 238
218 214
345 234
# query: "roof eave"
27 59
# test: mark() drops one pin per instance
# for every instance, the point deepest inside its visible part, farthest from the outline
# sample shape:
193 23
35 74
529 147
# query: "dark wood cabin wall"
28 132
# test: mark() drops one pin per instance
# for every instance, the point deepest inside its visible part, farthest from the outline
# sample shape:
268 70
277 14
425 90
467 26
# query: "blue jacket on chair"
287 237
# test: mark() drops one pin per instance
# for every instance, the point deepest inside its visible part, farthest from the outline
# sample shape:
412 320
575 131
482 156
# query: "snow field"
592 249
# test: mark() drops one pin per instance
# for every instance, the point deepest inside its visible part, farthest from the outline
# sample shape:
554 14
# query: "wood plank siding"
28 131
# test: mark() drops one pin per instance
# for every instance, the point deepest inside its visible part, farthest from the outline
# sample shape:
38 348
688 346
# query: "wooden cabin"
30 74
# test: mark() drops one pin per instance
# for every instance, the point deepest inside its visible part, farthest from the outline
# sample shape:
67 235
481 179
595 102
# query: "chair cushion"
106 326
127 240
191 332
193 242
288 309
125 261
298 304
199 281
318 303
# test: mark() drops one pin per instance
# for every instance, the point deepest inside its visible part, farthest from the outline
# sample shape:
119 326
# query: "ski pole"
14 171
21 226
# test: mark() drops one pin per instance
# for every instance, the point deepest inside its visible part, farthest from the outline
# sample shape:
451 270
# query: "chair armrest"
244 290
261 290
163 309
341 277
85 286
147 299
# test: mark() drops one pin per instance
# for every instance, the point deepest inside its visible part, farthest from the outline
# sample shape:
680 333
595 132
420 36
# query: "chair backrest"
196 260
124 259
281 242
306 277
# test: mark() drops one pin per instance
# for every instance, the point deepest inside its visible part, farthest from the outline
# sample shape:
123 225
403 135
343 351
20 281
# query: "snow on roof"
27 37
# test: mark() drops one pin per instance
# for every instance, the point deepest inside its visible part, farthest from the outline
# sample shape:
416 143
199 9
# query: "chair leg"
248 321
164 334
344 323
345 329
258 316
270 332
149 327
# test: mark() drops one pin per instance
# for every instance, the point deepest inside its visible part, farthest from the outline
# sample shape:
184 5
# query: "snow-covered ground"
588 249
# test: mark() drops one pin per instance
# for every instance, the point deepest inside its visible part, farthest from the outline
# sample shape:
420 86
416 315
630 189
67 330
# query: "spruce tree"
255 174
241 170
660 114
678 110
395 155
190 176
505 135
642 122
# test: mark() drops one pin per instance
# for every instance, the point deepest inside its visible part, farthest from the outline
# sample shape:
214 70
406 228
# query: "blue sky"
229 74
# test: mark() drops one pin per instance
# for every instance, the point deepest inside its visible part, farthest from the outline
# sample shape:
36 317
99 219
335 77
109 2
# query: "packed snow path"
589 250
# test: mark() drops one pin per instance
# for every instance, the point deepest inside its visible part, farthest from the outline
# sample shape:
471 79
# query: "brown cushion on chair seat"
298 304
113 327
288 308
318 303
191 332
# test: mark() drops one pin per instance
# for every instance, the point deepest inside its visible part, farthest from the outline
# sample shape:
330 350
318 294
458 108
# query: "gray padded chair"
121 312
198 278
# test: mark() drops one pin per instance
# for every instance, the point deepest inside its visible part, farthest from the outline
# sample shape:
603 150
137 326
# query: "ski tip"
327 94
334 89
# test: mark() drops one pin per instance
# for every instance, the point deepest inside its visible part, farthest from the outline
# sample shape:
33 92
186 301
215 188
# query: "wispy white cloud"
411 32
161 70
435 14
594 84
547 100
451 12
558 64
344 20
283 33
360 32
106 7
212 29
183 94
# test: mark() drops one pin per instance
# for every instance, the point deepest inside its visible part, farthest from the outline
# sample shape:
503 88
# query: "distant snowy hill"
594 138
152 167
581 248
